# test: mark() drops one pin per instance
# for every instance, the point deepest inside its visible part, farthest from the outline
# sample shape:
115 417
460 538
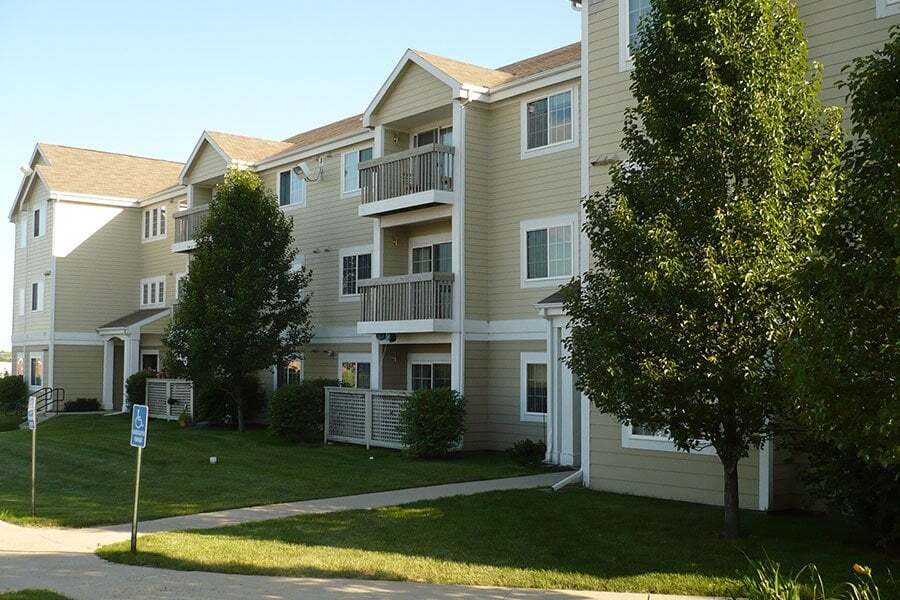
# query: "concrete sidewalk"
63 560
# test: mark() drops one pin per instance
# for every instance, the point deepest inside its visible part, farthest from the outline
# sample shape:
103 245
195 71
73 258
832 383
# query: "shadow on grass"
531 538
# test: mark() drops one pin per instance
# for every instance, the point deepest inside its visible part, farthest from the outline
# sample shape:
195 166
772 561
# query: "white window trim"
299 204
355 250
356 191
352 357
40 296
660 443
150 353
42 224
39 356
21 300
148 281
625 61
525 153
525 359
158 236
425 359
886 8
302 373
426 241
544 223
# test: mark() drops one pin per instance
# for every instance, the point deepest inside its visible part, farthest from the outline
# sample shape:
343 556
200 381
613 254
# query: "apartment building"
438 225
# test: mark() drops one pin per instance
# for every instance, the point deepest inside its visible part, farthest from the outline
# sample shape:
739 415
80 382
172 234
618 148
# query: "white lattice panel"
160 391
386 419
347 416
157 396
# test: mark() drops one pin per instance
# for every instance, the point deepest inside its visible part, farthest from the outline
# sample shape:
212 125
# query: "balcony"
418 303
415 178
187 222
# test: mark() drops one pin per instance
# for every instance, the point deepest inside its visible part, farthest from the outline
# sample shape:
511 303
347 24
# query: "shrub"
528 452
432 422
136 387
297 411
82 405
214 405
13 393
769 582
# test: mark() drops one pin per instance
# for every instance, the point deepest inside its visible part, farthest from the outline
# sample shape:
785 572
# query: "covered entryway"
122 353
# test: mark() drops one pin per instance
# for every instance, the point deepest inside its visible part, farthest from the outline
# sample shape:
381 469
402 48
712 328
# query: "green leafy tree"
845 360
732 165
242 306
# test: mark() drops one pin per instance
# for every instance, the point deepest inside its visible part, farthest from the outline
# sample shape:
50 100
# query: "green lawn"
31 595
574 539
86 471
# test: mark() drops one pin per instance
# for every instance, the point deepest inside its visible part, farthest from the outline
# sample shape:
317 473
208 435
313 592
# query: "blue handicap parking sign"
139 425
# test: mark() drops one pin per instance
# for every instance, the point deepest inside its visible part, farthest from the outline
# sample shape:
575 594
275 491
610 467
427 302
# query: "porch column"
108 372
132 361
457 358
551 420
375 365
567 415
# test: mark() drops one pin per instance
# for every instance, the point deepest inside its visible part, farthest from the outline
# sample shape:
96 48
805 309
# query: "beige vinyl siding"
321 360
321 228
79 370
492 395
663 474
478 234
207 164
518 190
414 91
157 258
398 243
838 31
401 143
33 263
97 280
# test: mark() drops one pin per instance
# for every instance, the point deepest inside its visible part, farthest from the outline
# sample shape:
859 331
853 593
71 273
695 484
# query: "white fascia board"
166 194
117 201
308 151
545 79
204 137
408 201
408 56
24 187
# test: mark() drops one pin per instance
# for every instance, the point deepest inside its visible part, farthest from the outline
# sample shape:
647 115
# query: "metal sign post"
32 425
139 422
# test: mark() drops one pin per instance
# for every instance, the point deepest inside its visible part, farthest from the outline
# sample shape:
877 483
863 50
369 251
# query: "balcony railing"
421 169
407 297
188 221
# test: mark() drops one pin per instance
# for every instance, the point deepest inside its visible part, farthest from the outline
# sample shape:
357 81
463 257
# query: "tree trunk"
732 516
240 414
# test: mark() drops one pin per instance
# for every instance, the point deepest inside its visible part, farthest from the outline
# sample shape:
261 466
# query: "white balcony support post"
458 255
375 375
132 363
457 343
378 147
552 455
109 350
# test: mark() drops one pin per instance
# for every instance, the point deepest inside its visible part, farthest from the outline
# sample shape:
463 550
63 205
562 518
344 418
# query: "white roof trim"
164 194
410 56
204 137
307 151
120 201
134 327
27 180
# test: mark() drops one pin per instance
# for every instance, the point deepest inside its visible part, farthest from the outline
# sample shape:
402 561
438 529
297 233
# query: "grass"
85 472
31 595
574 539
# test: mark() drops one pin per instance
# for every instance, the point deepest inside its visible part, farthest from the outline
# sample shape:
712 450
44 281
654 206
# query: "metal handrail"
46 397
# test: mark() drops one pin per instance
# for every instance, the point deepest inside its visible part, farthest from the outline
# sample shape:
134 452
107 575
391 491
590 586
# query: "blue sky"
147 78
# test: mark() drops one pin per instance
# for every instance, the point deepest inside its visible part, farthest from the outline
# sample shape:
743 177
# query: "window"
438 135
548 123
37 296
356 264
355 370
154 225
436 258
153 292
289 374
20 366
630 14
886 8
429 371
23 231
291 189
533 386
639 437
21 302
36 369
548 250
179 285
39 227
350 167
150 360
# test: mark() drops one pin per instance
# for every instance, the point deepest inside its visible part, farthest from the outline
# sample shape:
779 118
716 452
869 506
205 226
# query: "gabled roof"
95 173
466 76
341 128
246 149
98 173
138 317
